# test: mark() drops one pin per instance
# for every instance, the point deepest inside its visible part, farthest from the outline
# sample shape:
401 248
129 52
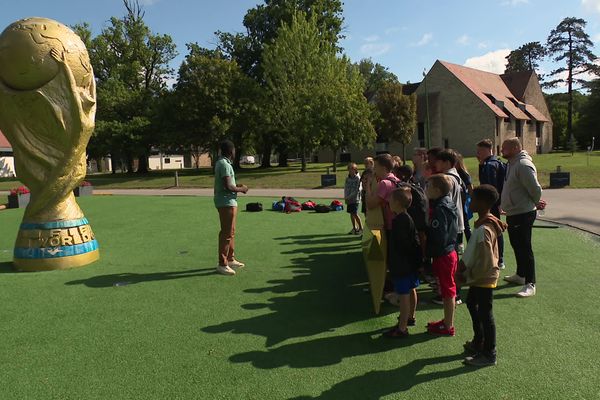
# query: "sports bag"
322 208
292 205
278 205
254 207
309 205
337 205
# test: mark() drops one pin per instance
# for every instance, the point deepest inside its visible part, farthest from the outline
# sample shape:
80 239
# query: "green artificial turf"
297 323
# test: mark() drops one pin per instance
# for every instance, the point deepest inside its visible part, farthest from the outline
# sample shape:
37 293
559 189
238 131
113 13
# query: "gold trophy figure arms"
47 111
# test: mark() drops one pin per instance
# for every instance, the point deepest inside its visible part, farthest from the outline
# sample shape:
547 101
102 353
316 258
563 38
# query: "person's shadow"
102 281
327 351
376 384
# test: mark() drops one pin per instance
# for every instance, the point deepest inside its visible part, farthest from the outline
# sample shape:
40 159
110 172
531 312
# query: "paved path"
579 208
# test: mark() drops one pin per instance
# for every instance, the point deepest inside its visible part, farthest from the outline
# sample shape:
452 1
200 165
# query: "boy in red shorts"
441 241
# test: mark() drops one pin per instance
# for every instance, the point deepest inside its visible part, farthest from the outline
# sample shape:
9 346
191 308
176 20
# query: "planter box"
18 200
559 179
328 180
83 191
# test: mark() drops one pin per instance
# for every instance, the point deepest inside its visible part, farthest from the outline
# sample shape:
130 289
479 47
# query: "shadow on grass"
327 351
103 281
325 292
7 268
377 384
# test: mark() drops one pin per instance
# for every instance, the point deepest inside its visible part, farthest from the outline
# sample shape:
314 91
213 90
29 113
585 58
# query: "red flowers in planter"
85 183
19 190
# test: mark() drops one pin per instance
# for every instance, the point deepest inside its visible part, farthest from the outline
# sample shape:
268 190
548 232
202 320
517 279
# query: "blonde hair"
441 182
398 160
369 162
402 195
352 166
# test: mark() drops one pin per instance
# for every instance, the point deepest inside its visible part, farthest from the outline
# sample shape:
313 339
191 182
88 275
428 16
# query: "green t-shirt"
223 196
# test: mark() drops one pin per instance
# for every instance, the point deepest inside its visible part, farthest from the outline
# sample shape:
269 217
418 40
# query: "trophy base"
55 246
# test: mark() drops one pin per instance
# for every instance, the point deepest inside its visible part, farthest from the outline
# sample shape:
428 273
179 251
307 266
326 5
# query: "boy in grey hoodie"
521 197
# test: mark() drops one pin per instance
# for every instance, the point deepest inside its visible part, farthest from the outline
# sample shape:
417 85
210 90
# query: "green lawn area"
582 175
297 323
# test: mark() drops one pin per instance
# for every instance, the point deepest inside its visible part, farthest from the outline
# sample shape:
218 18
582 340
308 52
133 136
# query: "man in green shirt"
226 191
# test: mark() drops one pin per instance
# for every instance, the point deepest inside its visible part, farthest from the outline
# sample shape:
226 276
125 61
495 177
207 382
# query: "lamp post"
427 130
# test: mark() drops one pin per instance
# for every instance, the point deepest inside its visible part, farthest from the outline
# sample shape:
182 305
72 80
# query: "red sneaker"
430 324
441 330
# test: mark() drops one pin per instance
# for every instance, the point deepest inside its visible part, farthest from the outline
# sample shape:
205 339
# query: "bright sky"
406 36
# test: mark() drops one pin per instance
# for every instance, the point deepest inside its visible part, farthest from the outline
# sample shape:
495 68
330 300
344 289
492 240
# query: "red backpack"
309 205
292 205
337 205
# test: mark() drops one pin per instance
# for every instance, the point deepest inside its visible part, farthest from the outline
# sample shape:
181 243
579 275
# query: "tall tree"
346 114
375 76
569 43
318 97
398 112
588 124
262 24
131 64
526 58
215 100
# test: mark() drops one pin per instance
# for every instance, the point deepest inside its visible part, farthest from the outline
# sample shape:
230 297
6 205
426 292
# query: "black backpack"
254 207
322 208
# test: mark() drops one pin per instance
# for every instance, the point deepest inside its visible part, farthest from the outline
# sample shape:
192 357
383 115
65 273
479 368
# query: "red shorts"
444 268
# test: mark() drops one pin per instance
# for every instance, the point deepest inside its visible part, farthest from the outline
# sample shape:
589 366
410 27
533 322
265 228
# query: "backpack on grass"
322 209
254 207
291 205
336 205
309 205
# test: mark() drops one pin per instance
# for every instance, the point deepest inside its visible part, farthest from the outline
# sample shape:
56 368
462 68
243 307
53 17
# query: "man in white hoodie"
521 196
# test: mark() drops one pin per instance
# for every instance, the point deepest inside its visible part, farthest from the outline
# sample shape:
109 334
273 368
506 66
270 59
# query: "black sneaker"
472 347
412 322
480 360
395 333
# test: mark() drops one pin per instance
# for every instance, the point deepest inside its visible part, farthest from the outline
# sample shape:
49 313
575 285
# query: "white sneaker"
527 291
225 270
516 279
235 264
502 266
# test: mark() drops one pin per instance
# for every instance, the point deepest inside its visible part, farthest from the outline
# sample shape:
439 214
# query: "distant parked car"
248 160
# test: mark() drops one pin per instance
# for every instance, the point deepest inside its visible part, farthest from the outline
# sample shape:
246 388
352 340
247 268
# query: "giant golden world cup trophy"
47 110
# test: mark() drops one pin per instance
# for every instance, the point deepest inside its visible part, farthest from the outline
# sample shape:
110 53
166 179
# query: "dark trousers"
496 213
519 233
480 303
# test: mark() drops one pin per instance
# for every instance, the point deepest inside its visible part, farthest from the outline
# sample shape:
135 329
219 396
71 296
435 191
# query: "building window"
167 161
421 133
519 128
538 129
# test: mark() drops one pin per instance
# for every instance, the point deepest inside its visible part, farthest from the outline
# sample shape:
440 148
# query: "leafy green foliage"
526 58
318 97
398 113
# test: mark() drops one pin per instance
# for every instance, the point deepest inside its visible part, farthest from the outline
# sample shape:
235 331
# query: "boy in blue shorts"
404 261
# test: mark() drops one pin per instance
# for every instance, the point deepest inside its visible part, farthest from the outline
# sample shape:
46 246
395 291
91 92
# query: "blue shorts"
406 284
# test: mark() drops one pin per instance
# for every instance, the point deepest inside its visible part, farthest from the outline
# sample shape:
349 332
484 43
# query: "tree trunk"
283 158
266 156
570 90
99 164
143 164
303 169
335 160
404 153
129 163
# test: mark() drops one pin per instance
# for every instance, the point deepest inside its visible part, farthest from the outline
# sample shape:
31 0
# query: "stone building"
464 105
